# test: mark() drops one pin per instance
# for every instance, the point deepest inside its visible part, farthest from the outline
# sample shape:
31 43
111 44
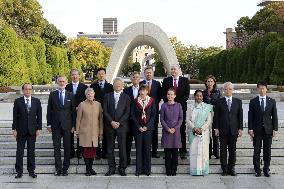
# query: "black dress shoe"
110 172
137 174
122 172
183 156
88 173
79 155
147 174
233 173
93 172
224 173
33 175
65 173
98 157
266 173
57 173
72 156
258 174
19 175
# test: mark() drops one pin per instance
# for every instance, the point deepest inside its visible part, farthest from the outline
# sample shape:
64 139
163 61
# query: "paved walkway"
152 182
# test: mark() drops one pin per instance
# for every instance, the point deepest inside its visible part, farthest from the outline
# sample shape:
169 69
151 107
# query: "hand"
240 133
76 108
49 129
101 137
37 133
216 132
173 130
251 133
15 133
72 130
273 133
141 129
145 128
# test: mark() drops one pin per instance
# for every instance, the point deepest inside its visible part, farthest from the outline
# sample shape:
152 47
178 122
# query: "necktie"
116 101
149 88
61 99
262 104
175 85
101 85
229 104
75 86
28 104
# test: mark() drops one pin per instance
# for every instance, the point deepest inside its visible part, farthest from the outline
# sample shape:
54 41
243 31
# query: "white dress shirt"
264 99
135 91
177 79
75 86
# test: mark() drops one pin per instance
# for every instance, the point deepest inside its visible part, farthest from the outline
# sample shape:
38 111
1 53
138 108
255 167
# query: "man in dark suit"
182 90
228 118
101 88
116 112
155 91
27 123
132 92
78 91
262 124
61 122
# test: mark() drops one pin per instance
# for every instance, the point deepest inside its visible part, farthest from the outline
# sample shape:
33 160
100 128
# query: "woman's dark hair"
198 91
171 89
142 87
210 77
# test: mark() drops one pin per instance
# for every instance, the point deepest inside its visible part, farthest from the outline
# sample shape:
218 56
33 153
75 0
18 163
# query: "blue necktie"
61 99
262 104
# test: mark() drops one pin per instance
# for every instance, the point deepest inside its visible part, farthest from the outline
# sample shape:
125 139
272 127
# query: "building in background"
110 25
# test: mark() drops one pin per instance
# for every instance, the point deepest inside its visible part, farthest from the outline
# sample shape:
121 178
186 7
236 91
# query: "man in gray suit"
116 111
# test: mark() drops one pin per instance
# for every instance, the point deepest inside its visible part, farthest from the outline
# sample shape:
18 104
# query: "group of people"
103 113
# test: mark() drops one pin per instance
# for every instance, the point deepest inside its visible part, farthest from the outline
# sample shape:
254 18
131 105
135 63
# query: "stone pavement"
152 182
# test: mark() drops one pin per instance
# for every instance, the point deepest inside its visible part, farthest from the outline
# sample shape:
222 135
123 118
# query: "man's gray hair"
61 76
88 90
175 66
228 84
135 73
118 79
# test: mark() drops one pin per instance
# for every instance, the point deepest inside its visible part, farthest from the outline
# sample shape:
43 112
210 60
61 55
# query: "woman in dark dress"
210 95
143 116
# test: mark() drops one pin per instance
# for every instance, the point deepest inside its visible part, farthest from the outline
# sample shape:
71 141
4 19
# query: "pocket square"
68 100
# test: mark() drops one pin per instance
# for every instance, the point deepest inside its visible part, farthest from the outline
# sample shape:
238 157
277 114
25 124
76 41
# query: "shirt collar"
27 98
101 81
61 91
261 97
115 93
77 83
177 78
133 87
227 98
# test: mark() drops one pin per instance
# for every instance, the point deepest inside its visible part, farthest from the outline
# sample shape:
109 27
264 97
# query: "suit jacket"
25 122
258 119
182 93
100 93
228 122
64 117
120 114
129 92
155 91
80 93
136 114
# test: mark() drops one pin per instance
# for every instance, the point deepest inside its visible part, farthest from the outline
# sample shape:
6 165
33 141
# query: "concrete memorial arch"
138 34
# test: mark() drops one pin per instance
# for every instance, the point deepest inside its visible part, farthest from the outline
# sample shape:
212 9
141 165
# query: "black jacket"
80 93
182 93
25 122
228 122
64 117
120 114
100 93
258 119
215 95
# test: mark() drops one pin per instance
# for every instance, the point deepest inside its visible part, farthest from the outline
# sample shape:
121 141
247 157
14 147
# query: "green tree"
270 53
24 16
278 71
52 36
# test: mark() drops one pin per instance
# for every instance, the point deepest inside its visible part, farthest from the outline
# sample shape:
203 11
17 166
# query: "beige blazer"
89 123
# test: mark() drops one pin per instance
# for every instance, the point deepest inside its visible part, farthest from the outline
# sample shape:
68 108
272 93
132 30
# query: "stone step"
241 144
49 152
156 169
155 161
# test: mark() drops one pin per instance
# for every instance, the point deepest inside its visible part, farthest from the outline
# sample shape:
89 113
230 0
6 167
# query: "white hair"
228 84
175 66
61 76
88 90
118 79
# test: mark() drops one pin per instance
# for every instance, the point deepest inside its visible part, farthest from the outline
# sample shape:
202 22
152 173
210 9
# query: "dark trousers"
183 150
214 145
57 134
121 139
171 160
79 148
143 151
21 141
129 140
228 141
155 135
257 144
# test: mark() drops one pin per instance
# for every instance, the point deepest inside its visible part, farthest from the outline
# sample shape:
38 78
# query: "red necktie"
175 85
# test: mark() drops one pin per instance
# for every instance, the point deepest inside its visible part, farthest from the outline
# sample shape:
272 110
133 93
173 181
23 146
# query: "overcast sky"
200 22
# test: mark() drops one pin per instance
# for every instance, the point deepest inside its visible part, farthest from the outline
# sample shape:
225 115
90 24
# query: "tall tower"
110 25
267 2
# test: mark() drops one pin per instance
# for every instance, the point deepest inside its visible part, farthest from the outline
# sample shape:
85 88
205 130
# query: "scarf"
144 105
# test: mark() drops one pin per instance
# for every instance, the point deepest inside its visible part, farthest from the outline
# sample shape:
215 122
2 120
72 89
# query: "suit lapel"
225 104
24 104
268 103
